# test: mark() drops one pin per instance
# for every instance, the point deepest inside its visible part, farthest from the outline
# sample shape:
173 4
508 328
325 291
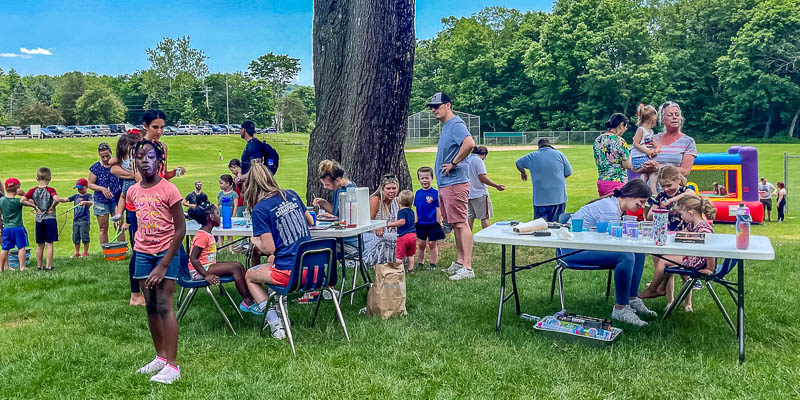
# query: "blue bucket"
13 258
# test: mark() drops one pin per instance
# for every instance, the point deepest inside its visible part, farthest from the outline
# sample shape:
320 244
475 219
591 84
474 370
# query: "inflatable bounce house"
728 179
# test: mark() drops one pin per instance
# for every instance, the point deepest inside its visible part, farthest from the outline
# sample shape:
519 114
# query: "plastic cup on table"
611 222
615 230
577 225
602 224
646 230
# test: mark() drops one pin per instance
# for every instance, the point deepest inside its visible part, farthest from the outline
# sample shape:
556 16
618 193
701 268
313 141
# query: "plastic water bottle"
227 213
743 227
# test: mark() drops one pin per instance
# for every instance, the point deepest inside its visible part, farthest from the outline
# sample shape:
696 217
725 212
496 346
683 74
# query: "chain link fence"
532 137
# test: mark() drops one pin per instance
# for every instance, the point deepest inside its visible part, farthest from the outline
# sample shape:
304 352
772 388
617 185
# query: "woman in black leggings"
781 200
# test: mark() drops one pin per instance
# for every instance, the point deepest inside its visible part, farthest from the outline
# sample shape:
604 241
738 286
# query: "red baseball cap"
11 182
81 183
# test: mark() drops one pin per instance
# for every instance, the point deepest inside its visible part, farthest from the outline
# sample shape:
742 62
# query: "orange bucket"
115 251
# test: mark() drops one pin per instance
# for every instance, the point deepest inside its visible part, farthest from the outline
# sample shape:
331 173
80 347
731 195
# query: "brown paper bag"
387 296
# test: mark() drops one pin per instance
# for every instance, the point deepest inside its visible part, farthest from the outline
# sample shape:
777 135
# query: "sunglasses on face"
435 107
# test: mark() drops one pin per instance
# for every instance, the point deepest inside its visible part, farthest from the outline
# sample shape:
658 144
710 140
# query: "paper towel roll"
531 226
362 197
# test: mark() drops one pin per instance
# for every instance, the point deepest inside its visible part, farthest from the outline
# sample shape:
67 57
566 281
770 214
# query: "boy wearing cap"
14 233
81 222
44 199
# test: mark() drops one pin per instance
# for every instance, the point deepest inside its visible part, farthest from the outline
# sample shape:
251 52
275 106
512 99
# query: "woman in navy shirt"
280 225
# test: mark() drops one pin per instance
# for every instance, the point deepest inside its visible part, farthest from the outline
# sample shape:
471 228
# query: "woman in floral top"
612 156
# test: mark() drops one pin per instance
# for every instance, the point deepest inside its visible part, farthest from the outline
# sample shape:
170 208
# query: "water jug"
743 227
227 212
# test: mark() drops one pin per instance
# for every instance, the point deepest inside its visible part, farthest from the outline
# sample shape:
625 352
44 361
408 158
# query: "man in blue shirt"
549 171
455 145
256 151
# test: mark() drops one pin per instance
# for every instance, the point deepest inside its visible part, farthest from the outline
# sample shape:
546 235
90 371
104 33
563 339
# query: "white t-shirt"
475 167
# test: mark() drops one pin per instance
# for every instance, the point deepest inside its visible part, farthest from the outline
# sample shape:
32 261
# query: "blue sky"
110 37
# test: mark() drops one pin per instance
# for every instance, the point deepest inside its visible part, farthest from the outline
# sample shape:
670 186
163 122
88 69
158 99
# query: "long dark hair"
615 119
125 145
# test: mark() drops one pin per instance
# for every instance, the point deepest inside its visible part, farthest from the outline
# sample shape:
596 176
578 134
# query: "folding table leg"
561 288
553 282
502 286
608 283
514 277
740 313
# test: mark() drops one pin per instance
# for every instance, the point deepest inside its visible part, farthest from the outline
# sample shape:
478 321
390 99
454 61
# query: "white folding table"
239 228
716 245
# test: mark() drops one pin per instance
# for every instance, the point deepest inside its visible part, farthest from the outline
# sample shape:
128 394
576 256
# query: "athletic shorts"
432 232
279 277
80 231
47 231
146 263
406 246
453 202
15 236
767 204
480 208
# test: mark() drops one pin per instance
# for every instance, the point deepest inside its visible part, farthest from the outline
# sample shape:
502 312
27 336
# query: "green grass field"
71 334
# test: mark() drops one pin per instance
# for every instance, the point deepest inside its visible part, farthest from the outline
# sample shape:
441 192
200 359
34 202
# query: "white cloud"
9 55
36 51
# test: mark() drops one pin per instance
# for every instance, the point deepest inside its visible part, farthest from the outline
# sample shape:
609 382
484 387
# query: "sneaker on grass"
627 315
257 309
153 366
454 267
462 273
638 305
167 375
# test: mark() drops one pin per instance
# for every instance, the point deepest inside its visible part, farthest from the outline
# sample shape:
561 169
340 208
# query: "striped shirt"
672 154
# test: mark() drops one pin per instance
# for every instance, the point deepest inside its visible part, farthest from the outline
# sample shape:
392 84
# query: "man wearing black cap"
256 151
455 145
549 172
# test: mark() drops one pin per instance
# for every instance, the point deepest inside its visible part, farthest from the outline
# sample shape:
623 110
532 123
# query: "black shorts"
47 231
767 204
432 232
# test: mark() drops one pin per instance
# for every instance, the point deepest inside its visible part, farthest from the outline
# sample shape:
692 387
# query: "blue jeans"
627 272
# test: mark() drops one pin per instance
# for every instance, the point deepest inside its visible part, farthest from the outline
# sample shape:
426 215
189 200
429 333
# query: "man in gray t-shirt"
765 192
455 144
549 172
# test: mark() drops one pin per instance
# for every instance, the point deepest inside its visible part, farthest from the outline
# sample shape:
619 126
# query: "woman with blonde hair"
379 245
280 225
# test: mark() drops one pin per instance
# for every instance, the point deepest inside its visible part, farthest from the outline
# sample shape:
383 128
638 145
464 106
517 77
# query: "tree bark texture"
363 65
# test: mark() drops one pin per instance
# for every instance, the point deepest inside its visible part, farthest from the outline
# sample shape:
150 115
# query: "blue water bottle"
227 213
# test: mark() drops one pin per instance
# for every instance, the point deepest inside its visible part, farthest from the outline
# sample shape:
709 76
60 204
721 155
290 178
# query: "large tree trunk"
794 122
769 121
363 62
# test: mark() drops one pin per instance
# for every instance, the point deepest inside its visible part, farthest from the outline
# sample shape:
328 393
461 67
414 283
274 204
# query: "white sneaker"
454 267
167 375
638 305
463 273
153 366
627 315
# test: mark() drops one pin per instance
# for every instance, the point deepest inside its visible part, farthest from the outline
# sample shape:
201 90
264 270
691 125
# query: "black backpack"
270 157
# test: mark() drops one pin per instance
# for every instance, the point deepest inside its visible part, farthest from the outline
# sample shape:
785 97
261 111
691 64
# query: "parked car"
271 129
13 130
80 130
104 129
2 130
46 134
170 130
189 129
94 130
60 130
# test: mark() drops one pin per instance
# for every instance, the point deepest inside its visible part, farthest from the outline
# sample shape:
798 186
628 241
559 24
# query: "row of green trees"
177 82
733 65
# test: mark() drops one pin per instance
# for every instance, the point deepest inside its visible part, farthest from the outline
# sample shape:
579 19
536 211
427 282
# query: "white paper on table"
538 224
